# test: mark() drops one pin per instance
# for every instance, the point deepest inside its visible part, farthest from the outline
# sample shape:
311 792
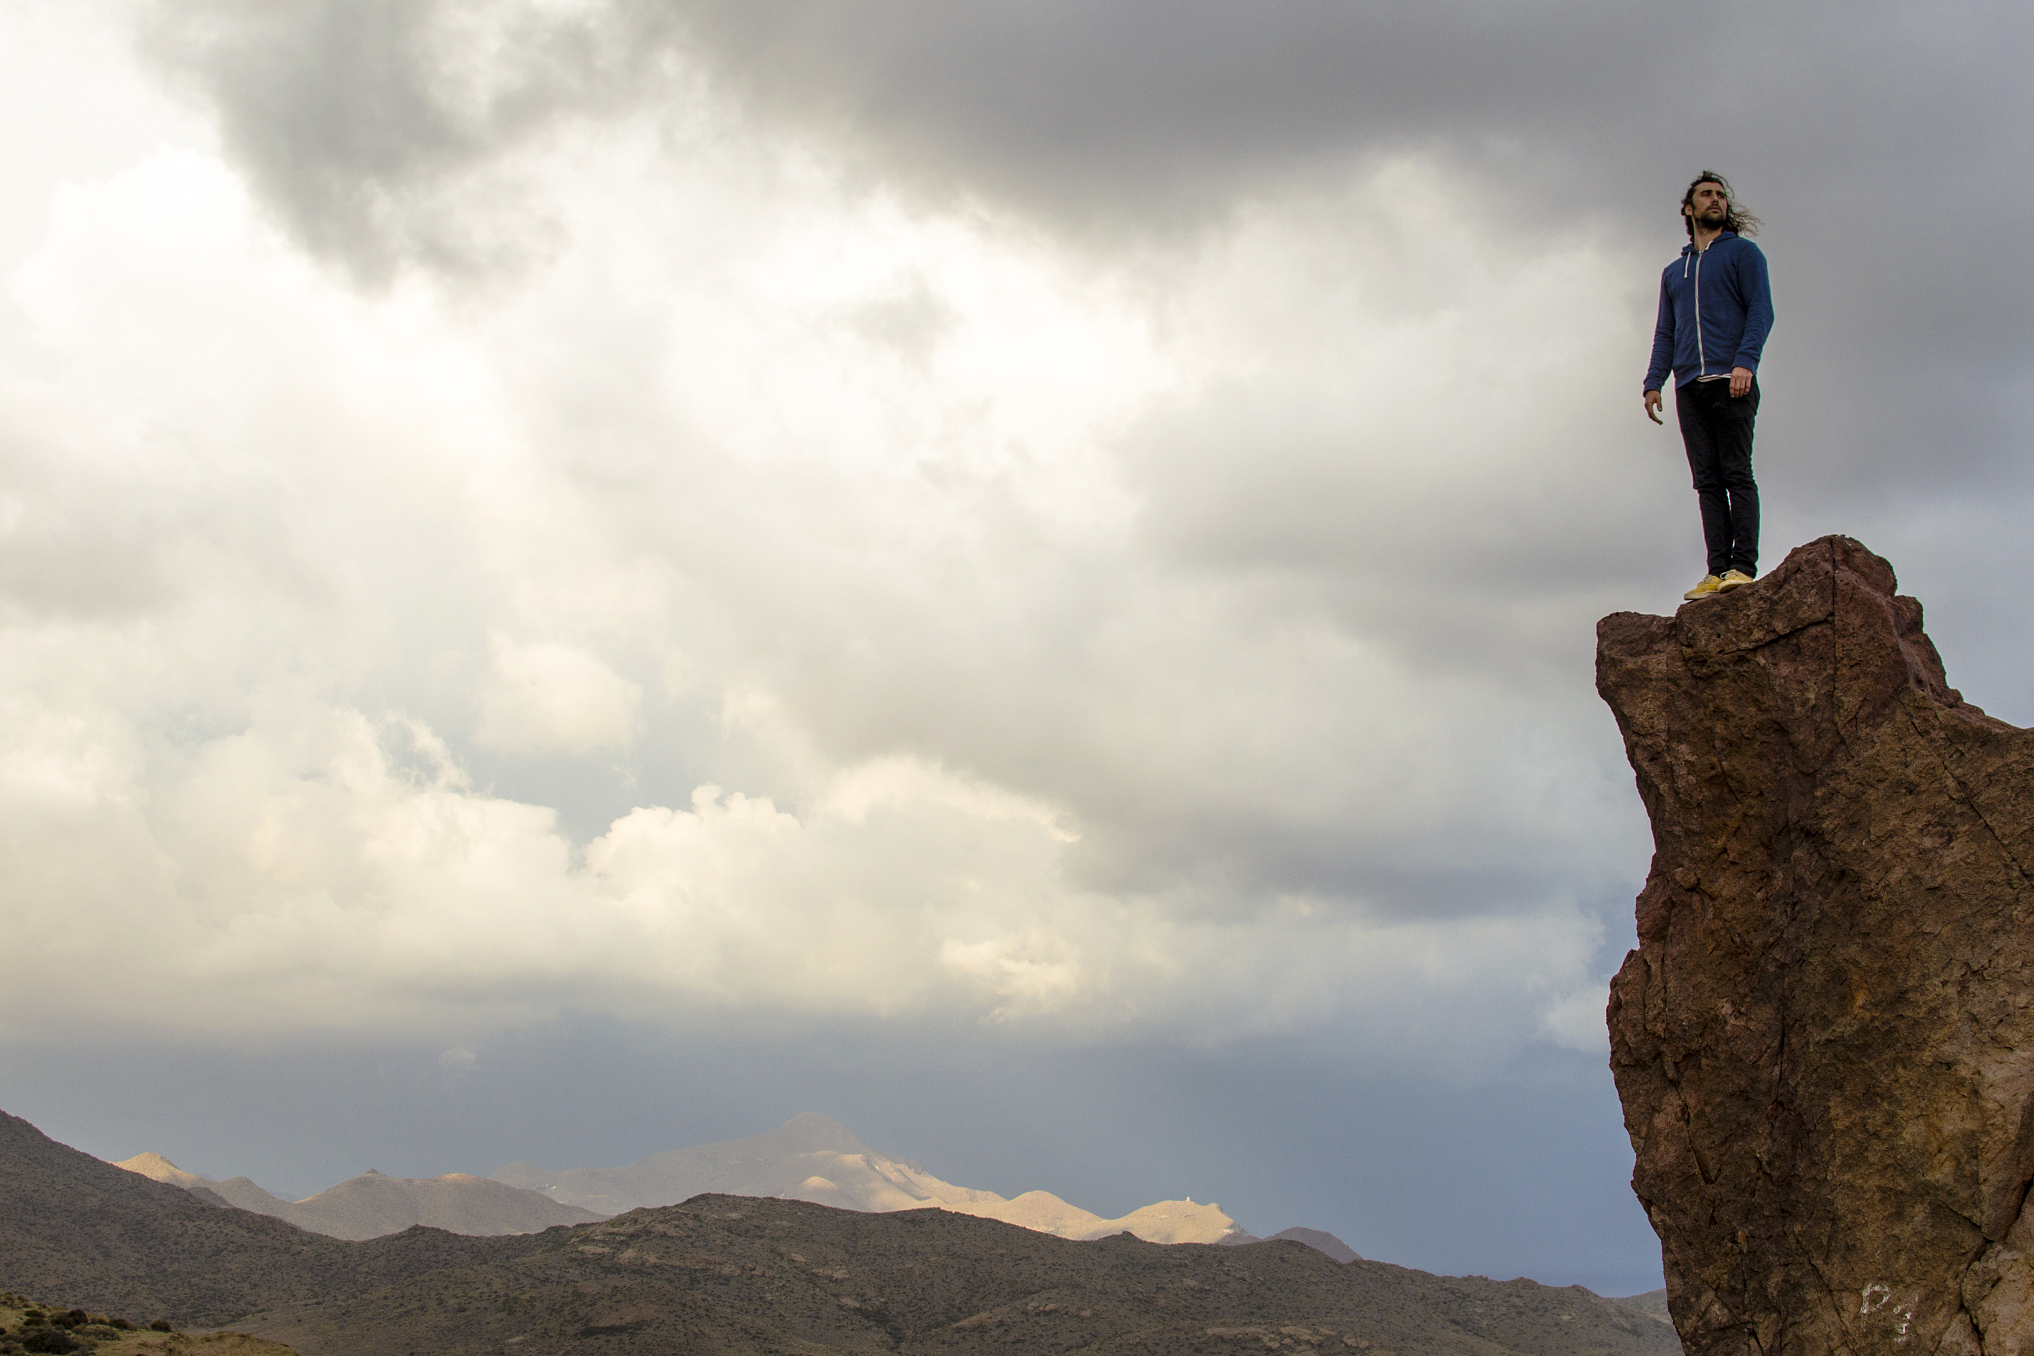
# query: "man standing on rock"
1716 308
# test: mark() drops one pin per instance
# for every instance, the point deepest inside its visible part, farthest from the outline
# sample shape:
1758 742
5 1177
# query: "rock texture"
1824 1043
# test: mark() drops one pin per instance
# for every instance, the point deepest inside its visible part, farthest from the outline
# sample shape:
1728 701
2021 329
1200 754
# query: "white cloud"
1577 1021
545 697
322 871
1050 643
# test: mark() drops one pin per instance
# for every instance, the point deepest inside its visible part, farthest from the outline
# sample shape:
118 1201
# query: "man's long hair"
1737 219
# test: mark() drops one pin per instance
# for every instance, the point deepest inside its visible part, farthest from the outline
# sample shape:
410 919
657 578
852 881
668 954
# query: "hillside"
737 1273
815 1158
1320 1241
722 1273
114 1335
1653 1303
373 1204
83 1233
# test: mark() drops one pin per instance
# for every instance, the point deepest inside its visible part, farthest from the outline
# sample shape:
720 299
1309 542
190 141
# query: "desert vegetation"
26 1326
32 1328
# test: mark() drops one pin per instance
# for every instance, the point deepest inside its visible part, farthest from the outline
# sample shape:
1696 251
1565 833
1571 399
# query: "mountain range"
722 1273
815 1158
1320 1241
372 1204
809 1158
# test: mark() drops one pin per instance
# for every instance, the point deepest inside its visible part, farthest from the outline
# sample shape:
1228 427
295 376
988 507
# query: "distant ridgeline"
371 1205
809 1158
816 1158
726 1273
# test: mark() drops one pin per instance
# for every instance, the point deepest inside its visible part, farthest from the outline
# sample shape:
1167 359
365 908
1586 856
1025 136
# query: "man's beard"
1713 217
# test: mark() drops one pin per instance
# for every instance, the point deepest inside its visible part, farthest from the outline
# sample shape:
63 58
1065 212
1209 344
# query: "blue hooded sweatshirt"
1716 309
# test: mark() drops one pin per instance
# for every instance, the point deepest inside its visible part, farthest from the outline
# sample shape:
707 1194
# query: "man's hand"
1653 405
1740 382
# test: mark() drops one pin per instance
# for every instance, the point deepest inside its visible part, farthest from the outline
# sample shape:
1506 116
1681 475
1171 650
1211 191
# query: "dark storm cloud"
1132 109
1140 109
354 116
1135 110
1136 113
1874 138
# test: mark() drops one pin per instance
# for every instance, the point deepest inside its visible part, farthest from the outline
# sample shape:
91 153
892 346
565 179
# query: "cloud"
391 134
812 567
1126 110
927 680
542 697
372 128
1576 1021
326 873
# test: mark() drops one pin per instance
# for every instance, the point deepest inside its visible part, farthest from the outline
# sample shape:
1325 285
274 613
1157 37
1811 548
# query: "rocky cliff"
1824 1043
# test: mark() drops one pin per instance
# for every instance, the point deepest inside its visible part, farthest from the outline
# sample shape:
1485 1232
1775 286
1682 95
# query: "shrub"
48 1339
120 1323
162 1325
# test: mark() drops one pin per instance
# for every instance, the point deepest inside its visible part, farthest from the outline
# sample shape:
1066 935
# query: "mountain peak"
155 1166
810 1132
813 1157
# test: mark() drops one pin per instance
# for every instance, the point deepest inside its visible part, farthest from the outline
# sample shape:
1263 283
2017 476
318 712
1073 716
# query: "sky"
585 576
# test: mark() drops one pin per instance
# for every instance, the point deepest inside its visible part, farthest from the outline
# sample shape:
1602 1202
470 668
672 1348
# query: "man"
1716 308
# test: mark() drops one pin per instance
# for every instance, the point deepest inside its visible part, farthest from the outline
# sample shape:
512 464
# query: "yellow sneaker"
1733 579
1710 584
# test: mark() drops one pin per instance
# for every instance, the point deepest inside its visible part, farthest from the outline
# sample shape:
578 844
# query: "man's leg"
1698 436
1732 430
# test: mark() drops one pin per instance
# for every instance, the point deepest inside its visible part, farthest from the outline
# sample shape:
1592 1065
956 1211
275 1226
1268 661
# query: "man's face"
1709 205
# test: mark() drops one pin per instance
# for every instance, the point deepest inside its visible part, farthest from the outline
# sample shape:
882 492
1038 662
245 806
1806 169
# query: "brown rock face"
1824 1043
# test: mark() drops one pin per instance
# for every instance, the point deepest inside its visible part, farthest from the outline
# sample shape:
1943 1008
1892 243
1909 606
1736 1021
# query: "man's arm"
1663 352
1755 286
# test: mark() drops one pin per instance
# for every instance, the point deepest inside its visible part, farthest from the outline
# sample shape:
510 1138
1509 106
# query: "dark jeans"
1717 431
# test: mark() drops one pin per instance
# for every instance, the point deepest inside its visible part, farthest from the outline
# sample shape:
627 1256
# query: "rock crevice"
1824 1043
